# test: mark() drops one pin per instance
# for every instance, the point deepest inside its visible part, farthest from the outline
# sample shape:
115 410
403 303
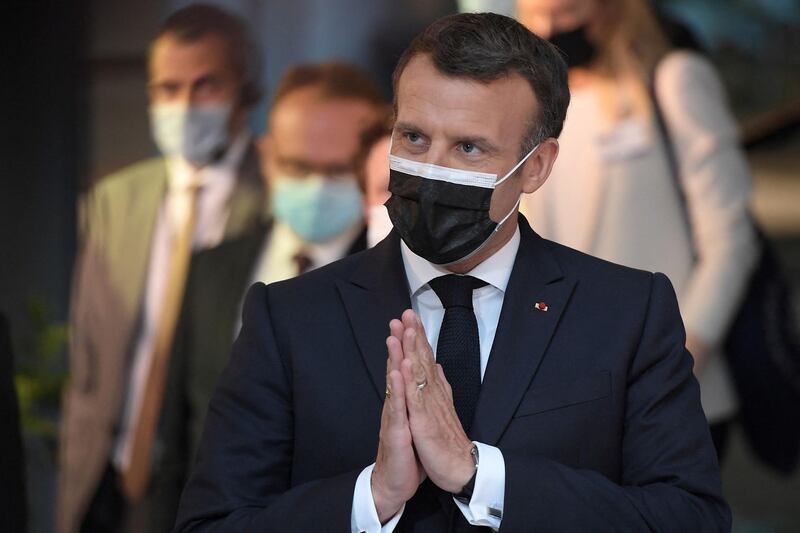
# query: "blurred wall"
43 148
286 32
43 144
119 33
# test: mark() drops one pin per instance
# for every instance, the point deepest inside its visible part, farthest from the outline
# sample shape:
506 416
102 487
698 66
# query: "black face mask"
579 50
439 221
443 219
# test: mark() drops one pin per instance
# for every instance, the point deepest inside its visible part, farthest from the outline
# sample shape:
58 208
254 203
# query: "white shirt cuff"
364 516
486 505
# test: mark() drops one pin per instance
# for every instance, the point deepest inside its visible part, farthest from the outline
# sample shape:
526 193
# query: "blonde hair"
632 44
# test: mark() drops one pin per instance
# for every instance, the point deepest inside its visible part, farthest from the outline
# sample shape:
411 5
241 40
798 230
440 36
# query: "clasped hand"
420 433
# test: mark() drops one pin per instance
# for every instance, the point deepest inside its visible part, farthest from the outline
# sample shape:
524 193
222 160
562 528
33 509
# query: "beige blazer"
611 195
118 220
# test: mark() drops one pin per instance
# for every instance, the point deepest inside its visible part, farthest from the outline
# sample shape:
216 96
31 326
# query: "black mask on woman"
575 44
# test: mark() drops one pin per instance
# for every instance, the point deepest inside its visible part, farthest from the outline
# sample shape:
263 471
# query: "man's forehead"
306 110
326 128
169 53
426 96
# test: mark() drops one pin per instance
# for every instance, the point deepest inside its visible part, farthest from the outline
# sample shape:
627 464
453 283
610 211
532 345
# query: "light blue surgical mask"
317 208
199 134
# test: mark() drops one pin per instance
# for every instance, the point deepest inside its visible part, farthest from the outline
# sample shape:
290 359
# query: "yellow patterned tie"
136 477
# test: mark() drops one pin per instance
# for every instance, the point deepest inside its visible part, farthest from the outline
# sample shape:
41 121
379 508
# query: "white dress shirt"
486 505
216 185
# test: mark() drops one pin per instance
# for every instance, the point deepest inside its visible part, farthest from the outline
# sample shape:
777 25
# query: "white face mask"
378 224
456 176
199 134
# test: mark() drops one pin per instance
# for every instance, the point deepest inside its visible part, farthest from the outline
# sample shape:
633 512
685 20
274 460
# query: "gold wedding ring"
422 385
388 393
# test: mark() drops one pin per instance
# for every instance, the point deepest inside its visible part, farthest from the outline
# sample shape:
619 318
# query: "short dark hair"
196 21
487 46
333 80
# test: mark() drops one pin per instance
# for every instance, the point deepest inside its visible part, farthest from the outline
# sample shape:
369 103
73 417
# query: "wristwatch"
465 494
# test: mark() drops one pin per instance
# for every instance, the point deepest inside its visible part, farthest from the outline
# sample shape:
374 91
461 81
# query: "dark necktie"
459 349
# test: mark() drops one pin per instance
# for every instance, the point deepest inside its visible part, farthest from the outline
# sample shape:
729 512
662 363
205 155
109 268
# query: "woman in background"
612 192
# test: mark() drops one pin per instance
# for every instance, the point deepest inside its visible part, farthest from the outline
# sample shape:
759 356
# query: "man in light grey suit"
139 227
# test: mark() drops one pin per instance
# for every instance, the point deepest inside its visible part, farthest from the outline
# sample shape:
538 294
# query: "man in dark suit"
316 124
560 396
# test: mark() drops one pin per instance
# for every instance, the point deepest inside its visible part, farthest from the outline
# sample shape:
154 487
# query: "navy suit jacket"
592 403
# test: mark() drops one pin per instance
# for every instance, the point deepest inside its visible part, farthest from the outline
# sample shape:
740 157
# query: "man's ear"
537 169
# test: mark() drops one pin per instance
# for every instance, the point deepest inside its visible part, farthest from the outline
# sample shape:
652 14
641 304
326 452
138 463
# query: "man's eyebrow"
293 161
205 78
152 84
407 126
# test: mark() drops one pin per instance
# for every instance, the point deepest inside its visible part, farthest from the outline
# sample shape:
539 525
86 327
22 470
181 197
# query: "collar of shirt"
322 253
216 182
277 262
496 270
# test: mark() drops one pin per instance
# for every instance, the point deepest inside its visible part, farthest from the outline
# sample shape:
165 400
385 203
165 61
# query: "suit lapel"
359 244
247 199
232 265
523 334
376 293
136 241
242 255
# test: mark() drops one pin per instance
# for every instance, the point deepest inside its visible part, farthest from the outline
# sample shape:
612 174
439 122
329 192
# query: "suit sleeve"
89 270
670 478
241 480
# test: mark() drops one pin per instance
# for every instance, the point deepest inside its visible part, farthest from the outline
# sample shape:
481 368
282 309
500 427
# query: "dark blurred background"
75 109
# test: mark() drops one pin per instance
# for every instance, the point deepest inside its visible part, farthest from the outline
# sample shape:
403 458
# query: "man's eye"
469 148
413 137
209 85
166 90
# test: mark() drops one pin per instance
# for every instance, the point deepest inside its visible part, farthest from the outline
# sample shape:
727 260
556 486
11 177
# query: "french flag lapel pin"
541 306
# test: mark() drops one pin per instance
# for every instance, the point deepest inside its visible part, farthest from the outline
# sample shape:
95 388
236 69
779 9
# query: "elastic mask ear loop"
479 248
504 178
516 205
521 162
505 218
